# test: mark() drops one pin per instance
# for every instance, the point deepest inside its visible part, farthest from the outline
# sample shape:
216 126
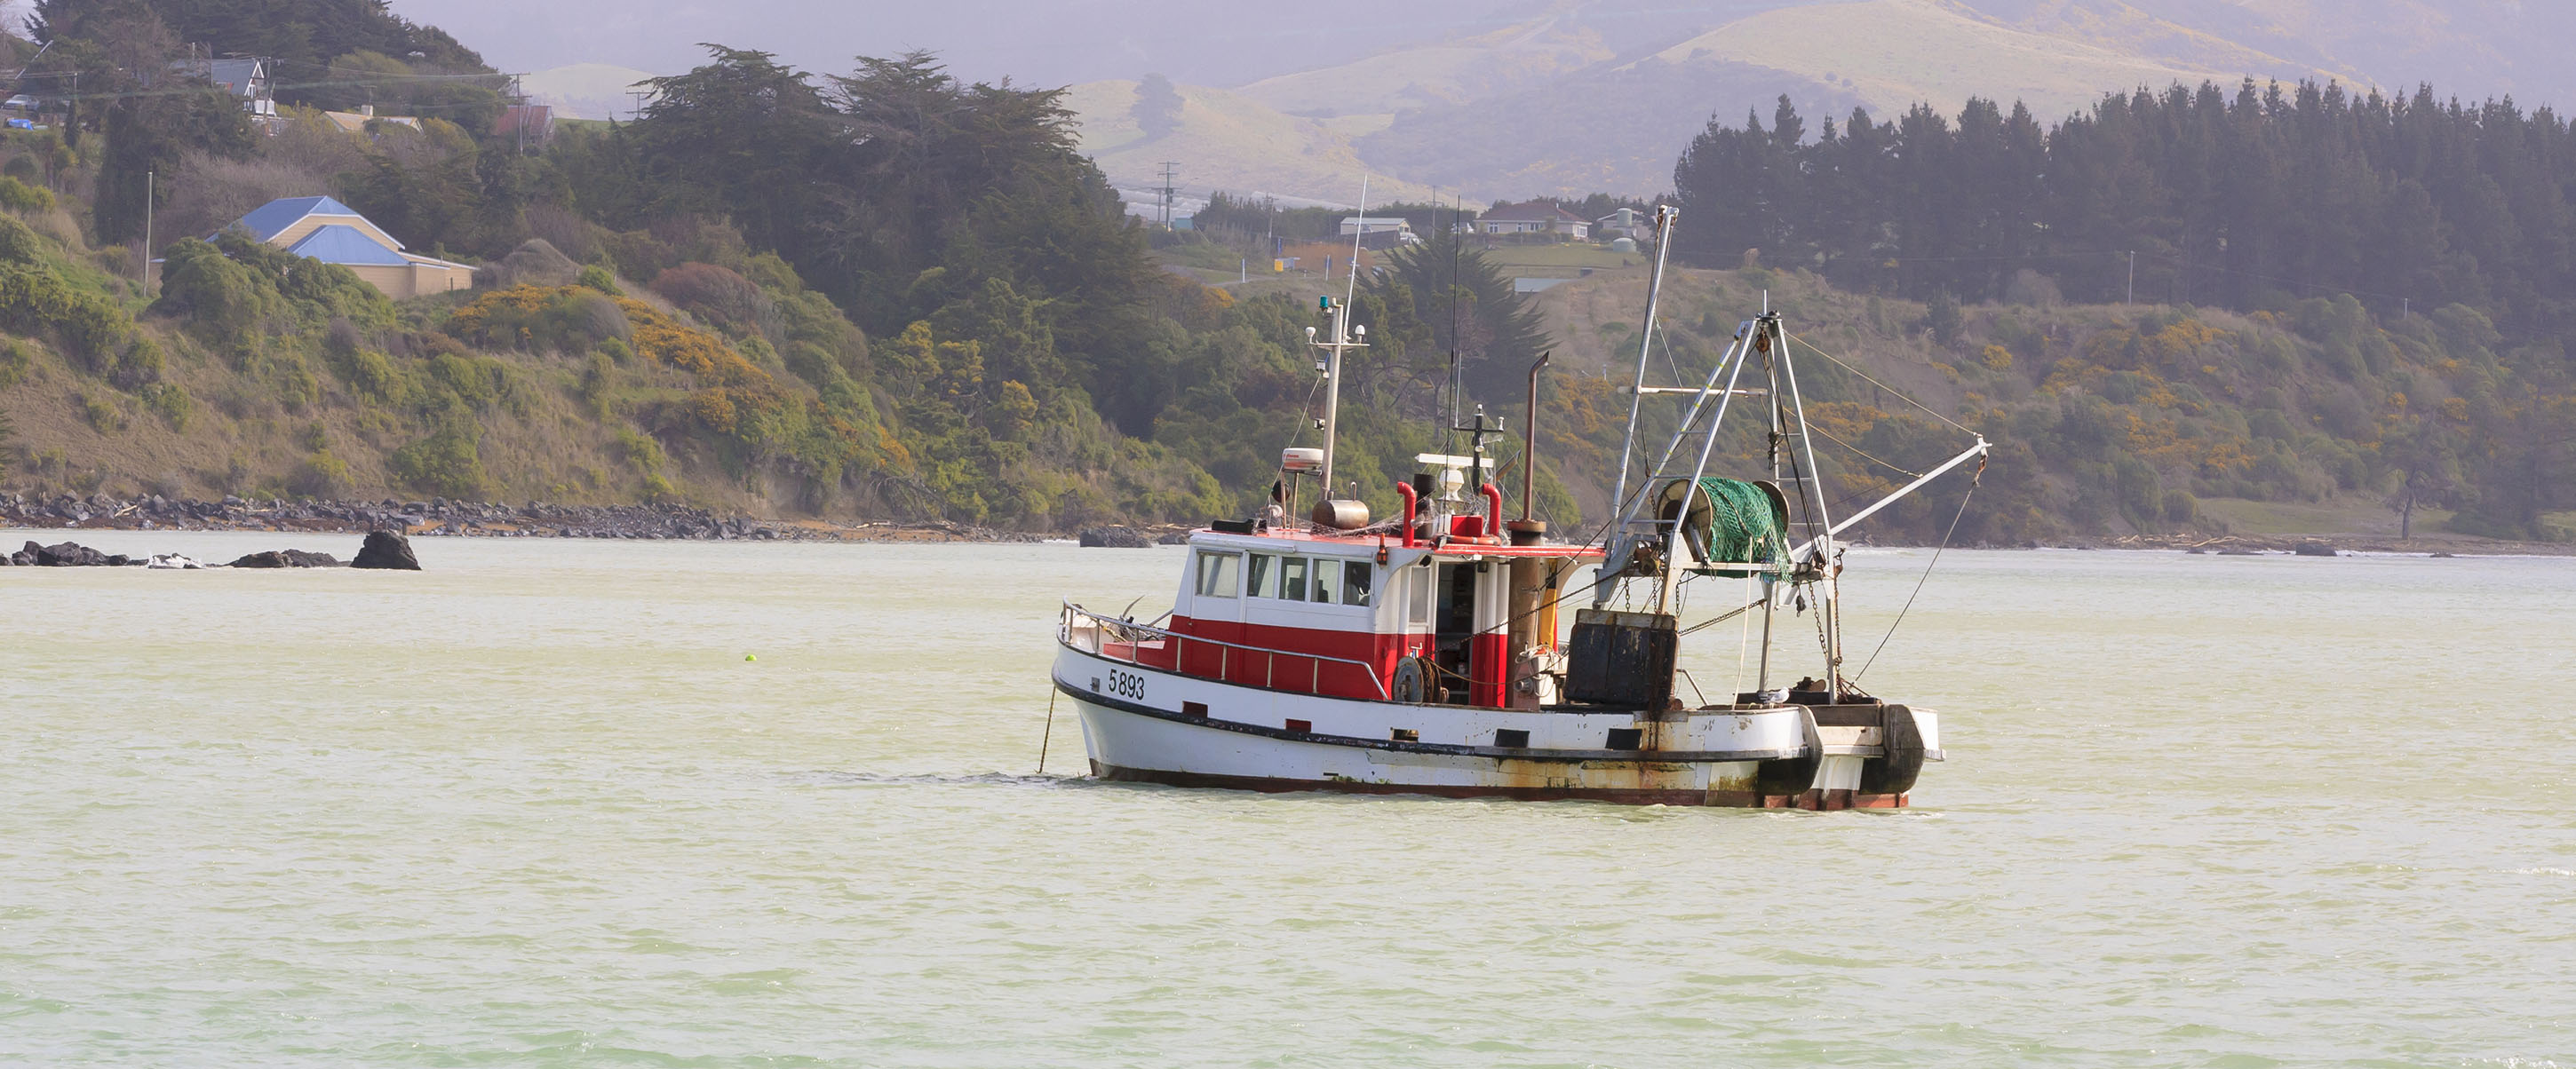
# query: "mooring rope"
1049 734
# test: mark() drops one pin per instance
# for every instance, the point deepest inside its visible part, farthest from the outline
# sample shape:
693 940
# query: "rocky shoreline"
467 519
537 519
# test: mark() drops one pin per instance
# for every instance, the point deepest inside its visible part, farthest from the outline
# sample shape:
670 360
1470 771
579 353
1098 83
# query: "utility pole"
148 182
2133 277
1170 169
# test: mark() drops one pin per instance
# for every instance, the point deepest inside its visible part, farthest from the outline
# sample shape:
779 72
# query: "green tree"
746 137
1444 297
1158 106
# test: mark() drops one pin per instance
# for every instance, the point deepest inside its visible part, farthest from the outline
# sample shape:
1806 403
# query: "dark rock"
2444 555
1176 538
287 558
1115 538
387 550
2315 549
2238 553
66 555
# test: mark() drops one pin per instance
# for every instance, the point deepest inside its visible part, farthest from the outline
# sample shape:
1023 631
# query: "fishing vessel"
1431 652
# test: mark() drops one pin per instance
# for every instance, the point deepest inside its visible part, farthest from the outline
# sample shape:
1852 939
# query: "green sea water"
534 806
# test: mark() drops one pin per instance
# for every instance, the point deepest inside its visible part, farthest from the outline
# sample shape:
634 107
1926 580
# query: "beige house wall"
440 277
395 281
416 278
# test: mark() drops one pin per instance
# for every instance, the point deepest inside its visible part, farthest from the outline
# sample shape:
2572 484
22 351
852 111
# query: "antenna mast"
1342 330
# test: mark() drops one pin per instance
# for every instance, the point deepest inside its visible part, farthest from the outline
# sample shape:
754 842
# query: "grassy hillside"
264 376
1894 53
1226 141
2108 420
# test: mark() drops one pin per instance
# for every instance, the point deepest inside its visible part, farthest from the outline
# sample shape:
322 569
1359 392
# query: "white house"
1534 217
1353 226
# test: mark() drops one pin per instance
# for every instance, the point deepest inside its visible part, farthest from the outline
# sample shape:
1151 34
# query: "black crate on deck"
1621 658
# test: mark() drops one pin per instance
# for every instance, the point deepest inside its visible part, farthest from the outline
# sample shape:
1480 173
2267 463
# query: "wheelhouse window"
1419 587
1292 578
1216 575
1325 577
1261 576
1355 583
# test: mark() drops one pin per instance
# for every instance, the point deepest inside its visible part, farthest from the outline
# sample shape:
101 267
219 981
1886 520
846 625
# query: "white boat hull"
1143 724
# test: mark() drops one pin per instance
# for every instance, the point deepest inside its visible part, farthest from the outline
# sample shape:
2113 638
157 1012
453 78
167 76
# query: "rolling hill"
1570 97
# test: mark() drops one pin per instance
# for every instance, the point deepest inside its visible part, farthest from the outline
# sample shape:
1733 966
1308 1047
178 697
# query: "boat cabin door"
1453 624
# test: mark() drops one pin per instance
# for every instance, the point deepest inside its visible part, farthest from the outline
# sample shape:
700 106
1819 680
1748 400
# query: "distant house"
1379 232
243 78
1625 223
531 126
1534 217
327 230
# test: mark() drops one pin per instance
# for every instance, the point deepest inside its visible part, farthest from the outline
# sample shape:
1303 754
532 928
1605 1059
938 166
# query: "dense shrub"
14 362
371 374
100 413
92 329
18 243
536 262
726 300
321 475
220 299
171 402
445 463
138 366
567 319
18 196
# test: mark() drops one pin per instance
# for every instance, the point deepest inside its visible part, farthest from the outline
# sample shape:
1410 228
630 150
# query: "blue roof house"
325 229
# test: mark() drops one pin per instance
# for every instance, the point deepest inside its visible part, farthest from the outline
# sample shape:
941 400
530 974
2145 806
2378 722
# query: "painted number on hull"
1126 685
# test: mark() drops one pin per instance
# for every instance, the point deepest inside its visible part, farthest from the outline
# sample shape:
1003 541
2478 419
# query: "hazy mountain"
1512 97
587 90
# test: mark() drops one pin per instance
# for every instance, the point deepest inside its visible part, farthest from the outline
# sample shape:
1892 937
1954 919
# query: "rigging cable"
1900 394
1973 483
1829 436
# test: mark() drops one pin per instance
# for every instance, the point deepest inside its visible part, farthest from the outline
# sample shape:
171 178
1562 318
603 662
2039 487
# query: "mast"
1770 586
1343 331
1664 214
1819 524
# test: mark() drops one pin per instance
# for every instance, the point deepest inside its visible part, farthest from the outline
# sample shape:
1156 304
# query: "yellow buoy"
749 657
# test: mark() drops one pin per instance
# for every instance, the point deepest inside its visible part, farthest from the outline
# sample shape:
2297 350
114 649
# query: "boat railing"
1093 633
